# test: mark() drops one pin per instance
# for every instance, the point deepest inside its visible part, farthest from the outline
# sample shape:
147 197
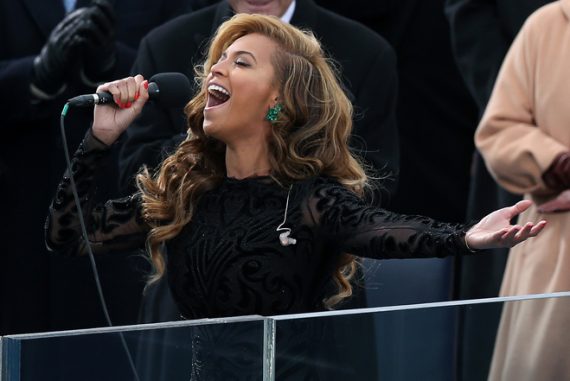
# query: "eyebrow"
240 52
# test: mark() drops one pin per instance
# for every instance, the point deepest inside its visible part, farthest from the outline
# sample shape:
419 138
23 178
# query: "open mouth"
217 95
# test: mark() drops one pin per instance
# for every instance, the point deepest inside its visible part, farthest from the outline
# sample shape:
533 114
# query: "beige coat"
525 126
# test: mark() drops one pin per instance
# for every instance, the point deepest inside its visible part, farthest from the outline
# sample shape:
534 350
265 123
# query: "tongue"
213 101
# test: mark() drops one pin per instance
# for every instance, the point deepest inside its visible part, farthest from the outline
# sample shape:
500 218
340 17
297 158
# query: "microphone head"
170 89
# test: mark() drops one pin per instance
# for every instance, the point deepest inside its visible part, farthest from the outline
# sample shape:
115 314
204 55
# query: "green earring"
273 112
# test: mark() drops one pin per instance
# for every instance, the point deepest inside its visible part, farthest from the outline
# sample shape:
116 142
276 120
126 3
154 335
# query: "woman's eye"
241 63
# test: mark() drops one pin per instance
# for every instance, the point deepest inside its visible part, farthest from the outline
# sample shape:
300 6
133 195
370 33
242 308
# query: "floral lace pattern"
229 261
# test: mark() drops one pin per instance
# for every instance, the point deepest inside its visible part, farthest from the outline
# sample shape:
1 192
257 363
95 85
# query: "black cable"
88 244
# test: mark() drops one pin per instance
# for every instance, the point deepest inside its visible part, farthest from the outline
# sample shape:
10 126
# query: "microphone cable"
88 244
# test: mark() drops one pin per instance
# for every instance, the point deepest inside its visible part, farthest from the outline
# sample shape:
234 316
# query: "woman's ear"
274 101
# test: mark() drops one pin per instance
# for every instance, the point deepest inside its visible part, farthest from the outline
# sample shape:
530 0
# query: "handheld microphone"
167 89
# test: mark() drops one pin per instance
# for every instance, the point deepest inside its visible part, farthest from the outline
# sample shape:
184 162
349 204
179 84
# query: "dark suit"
435 113
482 32
35 288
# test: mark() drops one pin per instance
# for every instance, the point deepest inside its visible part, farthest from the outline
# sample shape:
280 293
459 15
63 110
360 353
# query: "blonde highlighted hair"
310 137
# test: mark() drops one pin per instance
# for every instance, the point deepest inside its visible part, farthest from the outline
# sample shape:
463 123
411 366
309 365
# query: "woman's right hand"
130 95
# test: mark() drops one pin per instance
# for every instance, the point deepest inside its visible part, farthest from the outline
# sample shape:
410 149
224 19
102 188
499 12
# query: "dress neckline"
265 179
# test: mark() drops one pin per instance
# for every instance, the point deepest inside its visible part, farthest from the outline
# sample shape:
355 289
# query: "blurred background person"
51 50
435 113
481 33
525 141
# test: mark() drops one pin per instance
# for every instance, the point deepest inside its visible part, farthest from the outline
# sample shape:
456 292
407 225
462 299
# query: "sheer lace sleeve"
115 225
358 229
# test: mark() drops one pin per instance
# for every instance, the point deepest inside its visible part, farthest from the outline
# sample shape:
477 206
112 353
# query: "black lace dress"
228 261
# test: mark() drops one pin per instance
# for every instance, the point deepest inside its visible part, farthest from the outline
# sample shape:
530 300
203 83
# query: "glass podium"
407 342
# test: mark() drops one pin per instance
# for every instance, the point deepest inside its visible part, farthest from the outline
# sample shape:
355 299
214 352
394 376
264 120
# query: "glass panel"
221 349
438 341
427 281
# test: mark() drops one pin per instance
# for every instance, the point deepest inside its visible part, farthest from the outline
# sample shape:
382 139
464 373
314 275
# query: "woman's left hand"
495 229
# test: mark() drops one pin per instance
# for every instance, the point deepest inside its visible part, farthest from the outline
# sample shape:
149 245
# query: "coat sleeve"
515 149
479 44
16 102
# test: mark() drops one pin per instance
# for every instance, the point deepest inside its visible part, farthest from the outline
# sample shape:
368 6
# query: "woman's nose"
219 68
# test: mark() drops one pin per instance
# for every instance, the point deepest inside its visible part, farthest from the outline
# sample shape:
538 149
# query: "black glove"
56 57
557 176
99 34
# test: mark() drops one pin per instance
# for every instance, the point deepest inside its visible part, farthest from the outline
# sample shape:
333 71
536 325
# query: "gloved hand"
557 176
99 34
56 57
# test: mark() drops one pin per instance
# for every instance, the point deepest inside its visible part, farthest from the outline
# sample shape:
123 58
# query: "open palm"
495 229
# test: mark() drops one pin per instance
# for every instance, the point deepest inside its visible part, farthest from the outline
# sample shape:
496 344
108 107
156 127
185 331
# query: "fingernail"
137 95
145 85
129 104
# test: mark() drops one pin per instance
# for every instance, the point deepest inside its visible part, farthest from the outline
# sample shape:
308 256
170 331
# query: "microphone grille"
174 89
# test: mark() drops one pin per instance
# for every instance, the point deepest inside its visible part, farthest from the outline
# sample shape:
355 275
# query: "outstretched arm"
343 218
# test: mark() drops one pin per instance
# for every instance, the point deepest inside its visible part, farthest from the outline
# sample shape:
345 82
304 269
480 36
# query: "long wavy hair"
310 138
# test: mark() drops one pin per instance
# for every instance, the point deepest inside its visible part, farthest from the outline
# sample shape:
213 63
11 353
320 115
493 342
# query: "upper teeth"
218 88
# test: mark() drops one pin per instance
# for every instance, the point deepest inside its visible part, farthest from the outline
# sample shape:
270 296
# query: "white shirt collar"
288 15
69 5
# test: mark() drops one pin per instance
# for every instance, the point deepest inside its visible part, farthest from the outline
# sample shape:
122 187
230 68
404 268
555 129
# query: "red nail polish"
129 104
146 85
